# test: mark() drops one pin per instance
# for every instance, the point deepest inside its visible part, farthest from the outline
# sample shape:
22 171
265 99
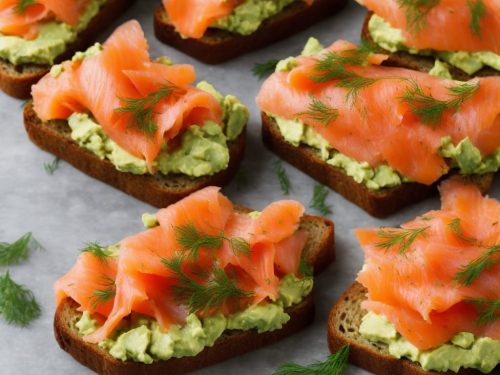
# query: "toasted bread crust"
157 190
16 81
421 63
379 203
319 251
217 46
343 326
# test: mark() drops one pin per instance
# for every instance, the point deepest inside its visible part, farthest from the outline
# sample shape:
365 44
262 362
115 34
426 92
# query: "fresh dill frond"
202 297
489 311
477 11
239 245
263 70
283 179
51 167
96 250
431 110
471 271
335 364
18 305
400 237
142 109
22 6
102 296
18 251
416 12
320 112
318 200
455 226
305 268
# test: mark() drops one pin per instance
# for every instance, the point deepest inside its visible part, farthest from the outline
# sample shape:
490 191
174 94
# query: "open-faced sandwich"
380 136
427 300
36 33
208 281
453 38
214 31
137 124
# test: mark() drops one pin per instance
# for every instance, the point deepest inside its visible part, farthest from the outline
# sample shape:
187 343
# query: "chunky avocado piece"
86 325
247 17
149 220
440 69
392 40
468 158
51 41
464 350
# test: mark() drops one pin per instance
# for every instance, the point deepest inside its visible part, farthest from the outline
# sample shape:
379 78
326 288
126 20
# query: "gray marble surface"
68 209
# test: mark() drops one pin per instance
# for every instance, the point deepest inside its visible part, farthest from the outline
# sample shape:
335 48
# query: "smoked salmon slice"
376 110
121 74
417 275
143 271
445 25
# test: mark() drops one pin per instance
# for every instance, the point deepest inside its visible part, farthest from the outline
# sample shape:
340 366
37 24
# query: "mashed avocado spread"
464 350
51 41
142 340
392 40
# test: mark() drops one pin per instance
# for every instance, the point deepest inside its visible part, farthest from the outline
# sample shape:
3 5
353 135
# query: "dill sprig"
96 250
18 305
400 237
416 12
202 297
51 167
305 268
22 6
455 227
142 109
101 296
431 110
489 311
18 251
335 364
283 179
320 112
192 240
263 70
318 200
477 11
471 271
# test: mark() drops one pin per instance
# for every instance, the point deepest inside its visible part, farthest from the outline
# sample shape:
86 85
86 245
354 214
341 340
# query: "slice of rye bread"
158 190
319 251
217 46
421 63
343 329
379 203
16 80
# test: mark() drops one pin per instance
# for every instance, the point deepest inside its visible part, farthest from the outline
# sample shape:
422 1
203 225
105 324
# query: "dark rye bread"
343 329
16 80
421 63
158 190
217 46
319 251
379 203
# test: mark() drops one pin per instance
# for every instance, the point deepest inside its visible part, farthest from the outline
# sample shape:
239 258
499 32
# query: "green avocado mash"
467 158
391 39
149 220
440 69
144 341
51 41
247 17
464 350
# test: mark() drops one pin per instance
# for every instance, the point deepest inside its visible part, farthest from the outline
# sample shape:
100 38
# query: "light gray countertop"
68 209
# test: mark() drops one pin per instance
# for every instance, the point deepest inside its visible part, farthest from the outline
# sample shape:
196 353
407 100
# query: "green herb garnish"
489 311
305 268
282 176
202 297
51 167
471 271
22 6
101 296
455 227
416 12
18 251
18 305
431 110
320 112
477 11
333 365
96 250
400 237
263 70
318 200
142 109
